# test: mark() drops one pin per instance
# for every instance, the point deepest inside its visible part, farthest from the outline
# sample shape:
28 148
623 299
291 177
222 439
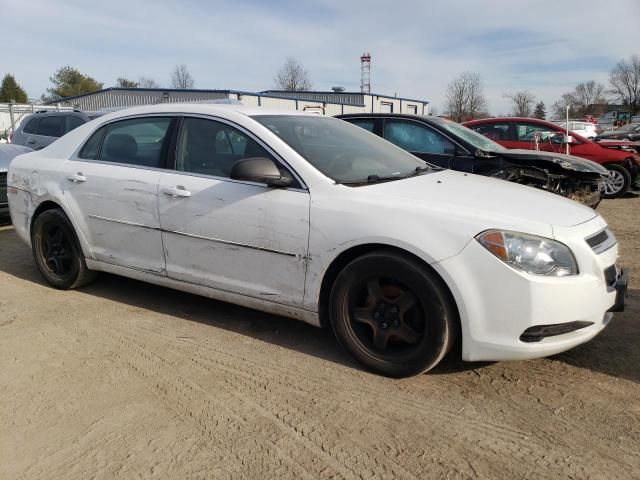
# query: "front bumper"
498 304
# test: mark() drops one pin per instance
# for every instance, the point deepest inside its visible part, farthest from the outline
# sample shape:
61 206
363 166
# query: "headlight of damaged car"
530 253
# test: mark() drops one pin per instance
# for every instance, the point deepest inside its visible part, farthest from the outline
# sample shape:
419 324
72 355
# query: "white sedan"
319 220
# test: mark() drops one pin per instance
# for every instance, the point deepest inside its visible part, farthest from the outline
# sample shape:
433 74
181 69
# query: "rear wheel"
57 252
618 182
392 314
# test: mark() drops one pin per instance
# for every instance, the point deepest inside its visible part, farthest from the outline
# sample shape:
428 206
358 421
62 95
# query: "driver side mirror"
259 170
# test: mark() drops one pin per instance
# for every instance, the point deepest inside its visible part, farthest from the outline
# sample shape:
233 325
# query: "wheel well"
351 254
43 207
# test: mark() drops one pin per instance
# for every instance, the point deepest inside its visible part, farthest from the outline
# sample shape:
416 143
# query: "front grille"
601 241
3 188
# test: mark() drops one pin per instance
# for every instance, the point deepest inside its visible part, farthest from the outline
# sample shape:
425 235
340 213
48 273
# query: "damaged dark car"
447 144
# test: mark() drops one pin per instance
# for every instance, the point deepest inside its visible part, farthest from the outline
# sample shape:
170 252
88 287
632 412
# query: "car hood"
481 200
567 162
8 152
617 134
612 142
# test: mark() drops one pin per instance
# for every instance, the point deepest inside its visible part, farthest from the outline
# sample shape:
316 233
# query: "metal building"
324 103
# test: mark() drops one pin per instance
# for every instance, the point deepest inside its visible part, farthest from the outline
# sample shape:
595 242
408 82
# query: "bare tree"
522 101
582 100
559 108
292 77
587 94
465 97
146 82
181 78
625 83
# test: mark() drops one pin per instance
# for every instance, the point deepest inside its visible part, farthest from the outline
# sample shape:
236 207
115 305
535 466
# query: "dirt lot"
127 380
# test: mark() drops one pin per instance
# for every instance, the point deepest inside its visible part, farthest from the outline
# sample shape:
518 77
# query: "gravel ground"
126 380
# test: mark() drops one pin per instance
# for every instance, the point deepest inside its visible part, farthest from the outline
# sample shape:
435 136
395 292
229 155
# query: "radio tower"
365 73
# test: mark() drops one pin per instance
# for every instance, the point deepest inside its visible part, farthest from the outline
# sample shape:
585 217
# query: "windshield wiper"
377 178
418 171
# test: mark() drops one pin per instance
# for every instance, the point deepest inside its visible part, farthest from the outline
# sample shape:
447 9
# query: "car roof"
202 108
430 119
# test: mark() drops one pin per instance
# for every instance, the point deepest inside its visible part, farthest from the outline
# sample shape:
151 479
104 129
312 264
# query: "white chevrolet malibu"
319 220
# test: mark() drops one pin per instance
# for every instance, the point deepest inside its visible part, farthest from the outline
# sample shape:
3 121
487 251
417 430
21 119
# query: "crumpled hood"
482 200
568 162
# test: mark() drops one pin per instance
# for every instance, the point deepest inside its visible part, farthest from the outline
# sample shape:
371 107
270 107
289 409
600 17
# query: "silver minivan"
42 128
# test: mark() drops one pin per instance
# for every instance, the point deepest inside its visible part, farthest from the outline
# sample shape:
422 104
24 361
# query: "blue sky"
417 47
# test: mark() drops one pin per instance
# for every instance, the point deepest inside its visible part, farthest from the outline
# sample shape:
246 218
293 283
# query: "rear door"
111 187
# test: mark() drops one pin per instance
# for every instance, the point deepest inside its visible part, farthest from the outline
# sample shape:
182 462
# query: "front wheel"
57 252
392 314
618 183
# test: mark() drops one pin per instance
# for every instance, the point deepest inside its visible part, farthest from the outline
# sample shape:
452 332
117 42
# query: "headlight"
530 253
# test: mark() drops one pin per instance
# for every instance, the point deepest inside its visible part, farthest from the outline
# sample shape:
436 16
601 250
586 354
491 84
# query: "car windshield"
343 152
629 127
474 138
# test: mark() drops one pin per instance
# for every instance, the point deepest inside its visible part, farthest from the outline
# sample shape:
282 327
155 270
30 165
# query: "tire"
392 314
618 183
57 252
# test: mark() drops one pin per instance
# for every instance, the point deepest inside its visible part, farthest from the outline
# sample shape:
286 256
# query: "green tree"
69 82
540 111
10 90
126 83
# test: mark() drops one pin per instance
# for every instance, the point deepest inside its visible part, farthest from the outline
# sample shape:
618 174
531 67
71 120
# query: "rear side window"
73 122
31 126
136 142
362 123
51 126
92 147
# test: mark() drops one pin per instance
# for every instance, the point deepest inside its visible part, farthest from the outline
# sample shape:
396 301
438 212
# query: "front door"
112 190
234 236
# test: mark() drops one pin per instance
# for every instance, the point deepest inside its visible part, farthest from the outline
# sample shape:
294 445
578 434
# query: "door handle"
31 142
77 178
178 191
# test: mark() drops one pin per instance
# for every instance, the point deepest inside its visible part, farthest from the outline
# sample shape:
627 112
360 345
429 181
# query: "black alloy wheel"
393 314
57 252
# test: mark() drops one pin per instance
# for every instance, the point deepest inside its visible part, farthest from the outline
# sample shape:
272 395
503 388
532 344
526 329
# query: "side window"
31 126
51 126
526 132
73 122
92 147
363 123
495 131
415 137
136 142
212 148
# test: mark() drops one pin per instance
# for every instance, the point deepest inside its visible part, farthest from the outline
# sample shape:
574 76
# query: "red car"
621 158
